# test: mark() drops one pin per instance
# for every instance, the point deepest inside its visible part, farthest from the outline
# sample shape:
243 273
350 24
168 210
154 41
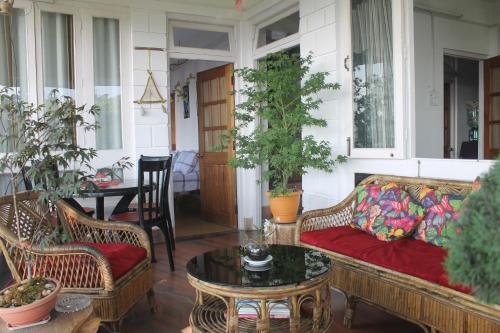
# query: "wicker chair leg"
149 231
153 306
350 307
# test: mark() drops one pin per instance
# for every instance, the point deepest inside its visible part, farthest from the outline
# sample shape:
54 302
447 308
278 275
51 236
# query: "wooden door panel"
492 108
215 105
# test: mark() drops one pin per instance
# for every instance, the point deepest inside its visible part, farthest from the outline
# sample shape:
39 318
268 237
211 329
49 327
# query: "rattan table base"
310 309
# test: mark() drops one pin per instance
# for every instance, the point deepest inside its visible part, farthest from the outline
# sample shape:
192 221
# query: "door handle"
348 146
200 155
346 60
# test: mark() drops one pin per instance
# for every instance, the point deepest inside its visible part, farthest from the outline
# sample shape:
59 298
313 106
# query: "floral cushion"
387 212
442 210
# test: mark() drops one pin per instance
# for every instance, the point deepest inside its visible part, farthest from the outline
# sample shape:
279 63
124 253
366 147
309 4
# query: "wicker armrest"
85 229
75 266
336 216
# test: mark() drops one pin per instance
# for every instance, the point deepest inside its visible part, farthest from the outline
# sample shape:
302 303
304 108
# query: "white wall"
187 129
449 35
151 128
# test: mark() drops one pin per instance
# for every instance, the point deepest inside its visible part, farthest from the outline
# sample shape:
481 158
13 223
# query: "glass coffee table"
290 295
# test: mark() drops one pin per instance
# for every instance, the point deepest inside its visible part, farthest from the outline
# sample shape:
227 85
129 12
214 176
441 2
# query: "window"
107 87
278 30
201 39
12 63
57 54
373 81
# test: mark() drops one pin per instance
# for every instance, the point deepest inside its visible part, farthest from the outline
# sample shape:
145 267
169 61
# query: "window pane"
279 30
373 92
202 39
107 87
57 48
12 63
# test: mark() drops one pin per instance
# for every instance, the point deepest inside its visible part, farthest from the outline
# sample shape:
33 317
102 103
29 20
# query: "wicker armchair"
81 268
433 307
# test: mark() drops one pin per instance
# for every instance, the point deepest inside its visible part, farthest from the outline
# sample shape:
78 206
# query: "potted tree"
44 138
473 245
281 96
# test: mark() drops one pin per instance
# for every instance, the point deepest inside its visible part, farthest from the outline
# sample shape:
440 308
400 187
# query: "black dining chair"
28 185
153 205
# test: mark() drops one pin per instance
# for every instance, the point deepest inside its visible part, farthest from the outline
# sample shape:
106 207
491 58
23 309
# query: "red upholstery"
88 210
407 255
131 216
122 257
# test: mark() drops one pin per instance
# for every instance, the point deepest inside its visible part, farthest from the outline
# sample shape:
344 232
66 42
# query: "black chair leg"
149 231
171 232
168 242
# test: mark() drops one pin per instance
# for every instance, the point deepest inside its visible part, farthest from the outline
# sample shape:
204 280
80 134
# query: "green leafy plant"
474 244
43 139
281 96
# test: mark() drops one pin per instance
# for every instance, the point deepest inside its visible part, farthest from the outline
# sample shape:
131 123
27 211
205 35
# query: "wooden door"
215 118
492 108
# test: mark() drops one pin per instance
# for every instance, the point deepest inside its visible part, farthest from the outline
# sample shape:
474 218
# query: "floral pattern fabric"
387 212
441 211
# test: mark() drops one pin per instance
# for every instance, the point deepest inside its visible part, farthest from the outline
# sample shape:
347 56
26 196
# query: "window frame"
281 44
402 106
179 51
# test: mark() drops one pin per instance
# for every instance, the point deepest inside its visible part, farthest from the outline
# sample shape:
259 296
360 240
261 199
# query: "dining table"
127 189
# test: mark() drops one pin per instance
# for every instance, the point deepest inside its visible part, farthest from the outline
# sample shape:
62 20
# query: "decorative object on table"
276 96
151 94
68 303
473 119
107 174
28 302
256 249
473 244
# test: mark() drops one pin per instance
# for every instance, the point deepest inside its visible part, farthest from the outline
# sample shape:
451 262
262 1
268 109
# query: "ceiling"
226 4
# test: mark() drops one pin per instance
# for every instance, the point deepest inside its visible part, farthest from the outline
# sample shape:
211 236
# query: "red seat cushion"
121 256
406 255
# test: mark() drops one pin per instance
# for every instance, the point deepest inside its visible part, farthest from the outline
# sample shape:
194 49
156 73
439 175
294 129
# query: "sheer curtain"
107 87
57 48
12 62
373 73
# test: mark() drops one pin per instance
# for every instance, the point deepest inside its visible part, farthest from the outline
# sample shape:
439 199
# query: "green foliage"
474 244
44 139
283 106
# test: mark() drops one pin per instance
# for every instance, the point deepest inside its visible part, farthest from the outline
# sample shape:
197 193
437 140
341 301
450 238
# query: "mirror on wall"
457 79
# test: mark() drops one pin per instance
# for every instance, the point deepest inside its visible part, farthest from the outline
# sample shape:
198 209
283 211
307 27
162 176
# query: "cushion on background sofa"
387 212
441 211
407 255
185 161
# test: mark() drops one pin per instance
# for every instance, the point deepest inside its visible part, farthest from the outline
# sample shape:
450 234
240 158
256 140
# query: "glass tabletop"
290 265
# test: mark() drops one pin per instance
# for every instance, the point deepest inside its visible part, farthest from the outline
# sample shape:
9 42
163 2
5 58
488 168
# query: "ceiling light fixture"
6 6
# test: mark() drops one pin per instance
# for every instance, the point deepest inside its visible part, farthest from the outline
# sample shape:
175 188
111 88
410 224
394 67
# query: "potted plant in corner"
474 244
43 139
281 98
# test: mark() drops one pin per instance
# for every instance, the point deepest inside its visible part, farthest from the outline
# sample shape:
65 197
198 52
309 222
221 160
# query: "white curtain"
373 74
107 87
12 62
57 46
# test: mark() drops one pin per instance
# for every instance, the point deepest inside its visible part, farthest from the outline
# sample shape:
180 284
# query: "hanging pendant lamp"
6 6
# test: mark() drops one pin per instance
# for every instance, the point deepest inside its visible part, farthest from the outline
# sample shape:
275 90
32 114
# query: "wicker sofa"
108 261
436 307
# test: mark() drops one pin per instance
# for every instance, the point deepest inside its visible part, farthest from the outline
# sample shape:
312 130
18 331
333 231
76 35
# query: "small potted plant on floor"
281 96
474 244
42 138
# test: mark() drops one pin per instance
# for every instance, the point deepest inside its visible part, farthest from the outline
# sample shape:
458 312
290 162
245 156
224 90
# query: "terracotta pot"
31 313
284 207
